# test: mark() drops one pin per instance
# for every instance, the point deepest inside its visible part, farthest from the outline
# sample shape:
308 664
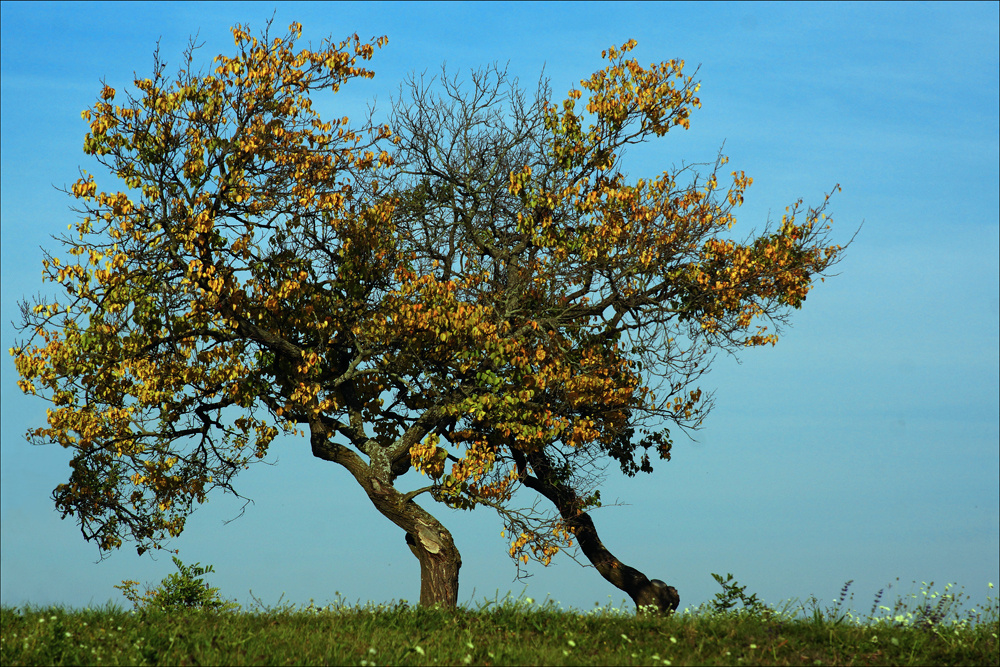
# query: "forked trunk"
647 594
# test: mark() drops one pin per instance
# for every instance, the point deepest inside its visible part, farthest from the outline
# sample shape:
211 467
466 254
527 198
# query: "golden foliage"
256 275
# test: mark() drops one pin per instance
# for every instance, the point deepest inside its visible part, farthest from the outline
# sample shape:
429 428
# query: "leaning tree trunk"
439 564
646 593
427 537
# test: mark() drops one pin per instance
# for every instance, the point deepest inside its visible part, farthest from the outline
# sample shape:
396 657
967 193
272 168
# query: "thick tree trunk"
647 594
427 538
439 564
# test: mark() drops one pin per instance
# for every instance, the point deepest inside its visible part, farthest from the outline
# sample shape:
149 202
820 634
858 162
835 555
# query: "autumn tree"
611 294
471 299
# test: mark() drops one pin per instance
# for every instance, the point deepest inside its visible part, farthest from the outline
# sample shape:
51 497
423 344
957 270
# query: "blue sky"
863 447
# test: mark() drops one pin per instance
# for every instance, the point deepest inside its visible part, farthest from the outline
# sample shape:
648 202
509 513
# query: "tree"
476 282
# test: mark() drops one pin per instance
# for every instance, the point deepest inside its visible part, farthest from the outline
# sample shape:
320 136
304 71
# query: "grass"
921 629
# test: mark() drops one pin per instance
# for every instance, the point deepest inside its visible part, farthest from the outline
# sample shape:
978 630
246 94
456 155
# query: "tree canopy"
466 299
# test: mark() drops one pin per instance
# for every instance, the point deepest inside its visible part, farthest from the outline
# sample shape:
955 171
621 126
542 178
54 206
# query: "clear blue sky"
864 446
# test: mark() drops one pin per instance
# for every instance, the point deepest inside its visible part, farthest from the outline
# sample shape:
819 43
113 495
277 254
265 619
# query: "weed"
183 589
732 593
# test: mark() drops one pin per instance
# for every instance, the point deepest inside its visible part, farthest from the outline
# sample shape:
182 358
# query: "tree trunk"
647 594
427 537
439 565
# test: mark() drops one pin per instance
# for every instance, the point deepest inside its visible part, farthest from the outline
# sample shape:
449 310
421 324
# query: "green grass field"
922 629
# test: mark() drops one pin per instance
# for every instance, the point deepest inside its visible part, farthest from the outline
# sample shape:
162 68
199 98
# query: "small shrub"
732 593
184 589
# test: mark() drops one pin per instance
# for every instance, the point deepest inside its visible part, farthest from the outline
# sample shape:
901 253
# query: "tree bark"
647 594
428 539
439 565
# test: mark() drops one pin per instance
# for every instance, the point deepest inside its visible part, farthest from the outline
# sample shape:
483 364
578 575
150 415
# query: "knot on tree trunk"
439 565
657 597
